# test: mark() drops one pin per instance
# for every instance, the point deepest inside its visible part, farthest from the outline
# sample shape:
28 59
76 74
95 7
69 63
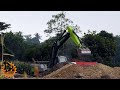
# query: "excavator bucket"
73 36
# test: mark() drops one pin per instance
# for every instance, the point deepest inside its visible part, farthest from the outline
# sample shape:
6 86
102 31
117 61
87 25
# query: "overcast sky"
30 22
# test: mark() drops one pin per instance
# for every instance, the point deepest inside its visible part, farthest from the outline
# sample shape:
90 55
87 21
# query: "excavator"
69 33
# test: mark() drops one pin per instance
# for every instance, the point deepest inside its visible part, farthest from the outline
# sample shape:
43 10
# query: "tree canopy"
4 26
102 45
59 23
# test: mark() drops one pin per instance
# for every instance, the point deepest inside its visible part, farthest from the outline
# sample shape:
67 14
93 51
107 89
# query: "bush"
24 67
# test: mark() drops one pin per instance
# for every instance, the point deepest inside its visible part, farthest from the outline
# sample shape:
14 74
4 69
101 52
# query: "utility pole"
1 52
2 43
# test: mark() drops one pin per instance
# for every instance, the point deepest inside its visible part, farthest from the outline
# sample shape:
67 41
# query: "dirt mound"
74 71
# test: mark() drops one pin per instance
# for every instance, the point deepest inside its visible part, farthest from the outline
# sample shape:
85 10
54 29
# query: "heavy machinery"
69 33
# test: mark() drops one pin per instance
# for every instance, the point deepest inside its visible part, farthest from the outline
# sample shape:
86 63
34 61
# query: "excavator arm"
60 41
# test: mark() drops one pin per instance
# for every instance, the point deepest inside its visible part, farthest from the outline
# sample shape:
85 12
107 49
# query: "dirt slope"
73 71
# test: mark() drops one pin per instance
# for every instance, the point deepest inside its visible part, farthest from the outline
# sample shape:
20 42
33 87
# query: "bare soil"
74 71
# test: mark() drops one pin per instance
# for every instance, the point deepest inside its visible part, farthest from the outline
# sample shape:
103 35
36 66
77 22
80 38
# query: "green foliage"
34 40
4 26
46 48
15 43
24 67
25 48
117 53
32 51
59 23
102 45
22 48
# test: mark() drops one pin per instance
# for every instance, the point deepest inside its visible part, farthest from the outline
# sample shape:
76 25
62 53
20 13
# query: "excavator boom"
60 41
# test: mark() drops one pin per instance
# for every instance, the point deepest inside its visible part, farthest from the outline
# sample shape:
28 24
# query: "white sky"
30 22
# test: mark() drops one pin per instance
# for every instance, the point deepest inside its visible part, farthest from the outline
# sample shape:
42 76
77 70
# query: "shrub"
24 67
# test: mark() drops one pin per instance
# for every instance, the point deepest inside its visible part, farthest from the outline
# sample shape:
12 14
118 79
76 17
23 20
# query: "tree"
37 35
117 53
102 45
27 37
47 48
4 26
32 51
58 24
15 43
34 40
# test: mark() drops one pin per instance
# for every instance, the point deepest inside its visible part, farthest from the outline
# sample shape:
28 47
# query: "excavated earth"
75 71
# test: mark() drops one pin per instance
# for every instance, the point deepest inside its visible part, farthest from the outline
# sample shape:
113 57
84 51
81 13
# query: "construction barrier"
85 63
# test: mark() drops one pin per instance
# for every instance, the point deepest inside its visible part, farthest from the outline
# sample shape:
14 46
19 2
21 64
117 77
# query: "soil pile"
75 71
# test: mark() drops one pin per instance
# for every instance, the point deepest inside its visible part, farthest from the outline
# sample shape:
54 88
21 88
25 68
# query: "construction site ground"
75 71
